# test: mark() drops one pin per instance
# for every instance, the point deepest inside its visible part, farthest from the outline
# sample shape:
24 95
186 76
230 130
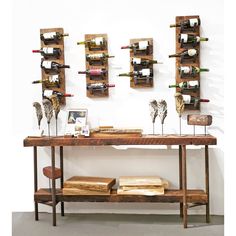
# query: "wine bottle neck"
37 81
174 55
82 72
204 70
126 74
173 86
125 47
204 100
37 51
174 25
203 39
81 43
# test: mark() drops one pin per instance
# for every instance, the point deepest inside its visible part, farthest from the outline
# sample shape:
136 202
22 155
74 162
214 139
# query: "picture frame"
75 120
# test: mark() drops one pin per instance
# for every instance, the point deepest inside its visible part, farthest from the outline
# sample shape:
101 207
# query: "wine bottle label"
47 64
184 37
193 22
198 39
192 52
48 50
95 71
95 56
98 41
47 93
143 45
49 35
193 83
146 72
185 69
137 60
53 78
186 98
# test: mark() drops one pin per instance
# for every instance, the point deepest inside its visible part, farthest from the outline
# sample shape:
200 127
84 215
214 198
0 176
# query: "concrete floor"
23 224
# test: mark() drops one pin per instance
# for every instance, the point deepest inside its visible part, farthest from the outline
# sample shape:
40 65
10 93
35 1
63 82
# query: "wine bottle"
50 81
189 100
52 37
49 52
52 66
190 71
97 58
97 43
99 86
142 47
94 72
147 72
186 55
47 93
188 25
135 61
190 38
186 85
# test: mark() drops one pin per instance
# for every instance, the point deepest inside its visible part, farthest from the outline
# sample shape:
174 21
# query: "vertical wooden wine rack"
148 56
99 93
61 60
195 93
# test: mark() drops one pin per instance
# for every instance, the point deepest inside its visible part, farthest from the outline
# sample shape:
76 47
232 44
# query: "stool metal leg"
62 177
53 186
36 211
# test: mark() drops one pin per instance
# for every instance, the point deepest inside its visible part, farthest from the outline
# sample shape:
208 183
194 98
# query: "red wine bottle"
142 47
94 72
189 100
49 52
52 66
47 93
52 37
188 25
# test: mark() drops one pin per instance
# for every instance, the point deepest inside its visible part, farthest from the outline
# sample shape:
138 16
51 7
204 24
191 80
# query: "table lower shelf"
172 196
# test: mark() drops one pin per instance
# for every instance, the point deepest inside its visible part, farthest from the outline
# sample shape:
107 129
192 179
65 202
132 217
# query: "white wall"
125 107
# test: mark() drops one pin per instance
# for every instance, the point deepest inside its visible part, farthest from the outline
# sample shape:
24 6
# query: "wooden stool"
47 171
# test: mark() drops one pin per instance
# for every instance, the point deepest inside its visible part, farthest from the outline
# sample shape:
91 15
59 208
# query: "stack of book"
87 185
142 185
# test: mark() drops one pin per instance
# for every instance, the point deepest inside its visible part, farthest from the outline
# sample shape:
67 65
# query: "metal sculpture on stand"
48 110
162 112
153 112
179 103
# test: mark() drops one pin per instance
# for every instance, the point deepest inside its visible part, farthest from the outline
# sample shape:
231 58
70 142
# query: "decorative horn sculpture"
39 112
56 107
154 112
48 110
179 103
162 111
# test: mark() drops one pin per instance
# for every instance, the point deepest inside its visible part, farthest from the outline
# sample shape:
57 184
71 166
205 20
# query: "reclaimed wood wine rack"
102 79
149 55
61 60
195 93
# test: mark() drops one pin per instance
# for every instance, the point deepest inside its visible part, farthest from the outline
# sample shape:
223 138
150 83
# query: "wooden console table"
182 195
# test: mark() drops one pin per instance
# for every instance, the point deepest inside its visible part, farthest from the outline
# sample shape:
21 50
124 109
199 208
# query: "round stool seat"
47 171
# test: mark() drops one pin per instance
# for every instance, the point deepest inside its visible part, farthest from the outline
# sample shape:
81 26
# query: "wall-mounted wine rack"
146 81
101 79
62 85
195 62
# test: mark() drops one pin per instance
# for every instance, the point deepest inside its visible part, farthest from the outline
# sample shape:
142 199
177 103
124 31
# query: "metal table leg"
53 186
180 178
207 184
62 177
36 211
184 185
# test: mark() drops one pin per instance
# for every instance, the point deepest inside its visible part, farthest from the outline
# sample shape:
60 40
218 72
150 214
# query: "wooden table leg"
53 187
180 178
36 211
184 185
207 184
62 177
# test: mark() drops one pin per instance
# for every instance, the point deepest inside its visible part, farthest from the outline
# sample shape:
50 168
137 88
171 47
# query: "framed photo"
76 119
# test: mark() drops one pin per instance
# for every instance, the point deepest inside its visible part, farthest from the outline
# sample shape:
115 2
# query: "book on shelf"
101 184
140 181
76 191
158 190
